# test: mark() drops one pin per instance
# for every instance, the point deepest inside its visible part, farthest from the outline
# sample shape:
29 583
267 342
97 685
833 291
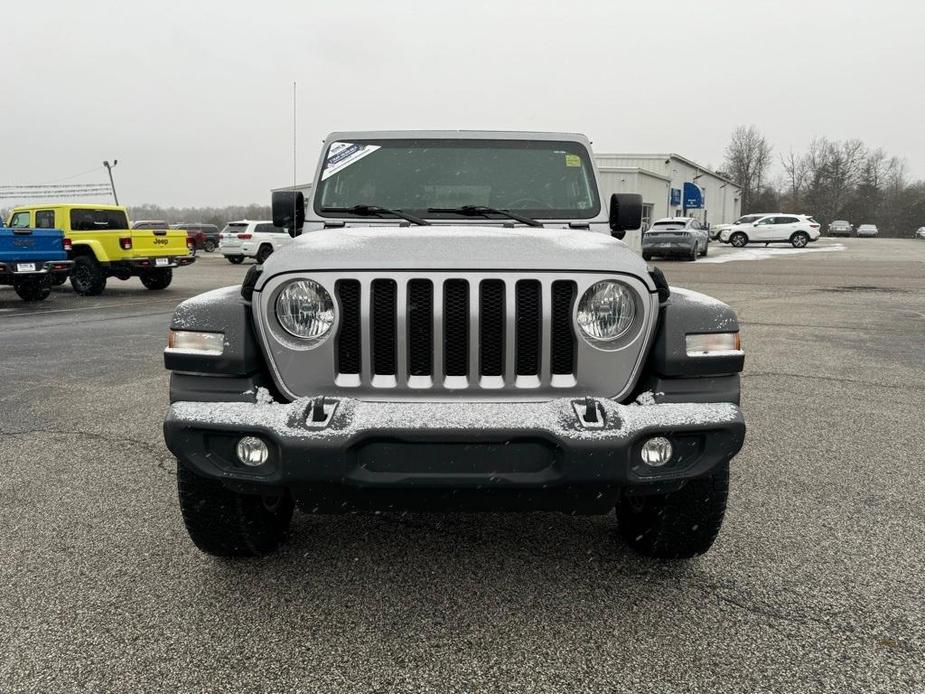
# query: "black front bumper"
456 445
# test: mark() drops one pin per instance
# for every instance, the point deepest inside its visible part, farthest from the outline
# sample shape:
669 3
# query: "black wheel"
235 259
706 250
693 254
209 246
87 277
157 279
264 253
677 525
229 524
738 239
58 279
799 239
32 289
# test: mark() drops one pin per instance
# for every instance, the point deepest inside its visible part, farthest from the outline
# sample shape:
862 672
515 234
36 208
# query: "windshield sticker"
343 154
572 160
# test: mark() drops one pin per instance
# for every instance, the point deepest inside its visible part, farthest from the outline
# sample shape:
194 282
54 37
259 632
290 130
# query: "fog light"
655 452
252 451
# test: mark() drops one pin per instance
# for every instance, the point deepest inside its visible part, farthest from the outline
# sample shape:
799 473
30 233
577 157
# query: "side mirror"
289 211
625 213
754 224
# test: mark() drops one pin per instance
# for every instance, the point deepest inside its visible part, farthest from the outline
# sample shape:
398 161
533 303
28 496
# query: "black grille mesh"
384 320
529 327
456 327
420 327
491 327
563 335
348 339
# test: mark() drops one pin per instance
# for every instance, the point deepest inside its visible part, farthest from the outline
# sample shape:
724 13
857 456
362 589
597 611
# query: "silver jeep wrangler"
458 326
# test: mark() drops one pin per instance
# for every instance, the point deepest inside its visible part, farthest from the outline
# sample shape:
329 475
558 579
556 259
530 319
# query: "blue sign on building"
675 197
693 196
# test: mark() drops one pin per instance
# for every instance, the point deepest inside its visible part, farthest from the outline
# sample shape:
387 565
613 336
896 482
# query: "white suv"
251 239
795 229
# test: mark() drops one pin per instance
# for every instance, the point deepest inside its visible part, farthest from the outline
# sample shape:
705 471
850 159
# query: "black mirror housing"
625 213
289 211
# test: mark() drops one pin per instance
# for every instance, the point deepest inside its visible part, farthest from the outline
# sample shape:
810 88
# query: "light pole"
111 183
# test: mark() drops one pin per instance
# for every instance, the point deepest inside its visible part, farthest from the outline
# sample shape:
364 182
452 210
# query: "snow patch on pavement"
762 253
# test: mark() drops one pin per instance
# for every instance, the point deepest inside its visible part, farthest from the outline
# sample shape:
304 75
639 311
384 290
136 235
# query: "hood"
456 248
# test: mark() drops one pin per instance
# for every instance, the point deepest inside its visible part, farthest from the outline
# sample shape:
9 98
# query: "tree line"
831 179
219 216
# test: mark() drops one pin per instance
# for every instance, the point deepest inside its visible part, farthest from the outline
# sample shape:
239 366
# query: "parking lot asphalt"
815 584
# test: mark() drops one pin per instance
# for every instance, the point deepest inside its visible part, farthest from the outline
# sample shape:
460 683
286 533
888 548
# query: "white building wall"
721 197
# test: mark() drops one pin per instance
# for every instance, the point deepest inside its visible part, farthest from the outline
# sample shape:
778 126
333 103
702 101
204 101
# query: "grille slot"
456 327
420 327
491 328
563 333
529 327
384 319
348 337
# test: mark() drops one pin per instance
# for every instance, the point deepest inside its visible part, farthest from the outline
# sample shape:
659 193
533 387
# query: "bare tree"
796 170
748 156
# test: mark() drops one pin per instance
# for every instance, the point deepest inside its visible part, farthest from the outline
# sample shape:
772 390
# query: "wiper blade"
482 211
377 211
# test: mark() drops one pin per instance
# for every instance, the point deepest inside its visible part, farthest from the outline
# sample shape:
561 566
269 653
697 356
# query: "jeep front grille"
489 333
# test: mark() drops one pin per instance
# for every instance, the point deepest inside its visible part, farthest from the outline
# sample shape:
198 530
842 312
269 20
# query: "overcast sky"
194 99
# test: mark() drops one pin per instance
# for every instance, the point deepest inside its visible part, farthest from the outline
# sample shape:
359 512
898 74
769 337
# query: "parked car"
104 244
796 229
33 259
716 230
675 236
251 239
840 227
868 230
919 233
487 341
150 224
204 236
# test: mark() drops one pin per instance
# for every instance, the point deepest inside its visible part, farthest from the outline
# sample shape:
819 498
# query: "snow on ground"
756 252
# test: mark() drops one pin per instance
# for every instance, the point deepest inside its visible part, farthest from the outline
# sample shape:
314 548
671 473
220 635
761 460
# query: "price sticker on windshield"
343 154
572 160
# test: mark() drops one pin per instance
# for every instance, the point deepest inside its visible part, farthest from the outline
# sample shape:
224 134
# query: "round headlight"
606 311
304 309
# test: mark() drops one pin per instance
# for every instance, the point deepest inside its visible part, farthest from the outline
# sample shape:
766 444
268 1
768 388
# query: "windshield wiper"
377 211
482 211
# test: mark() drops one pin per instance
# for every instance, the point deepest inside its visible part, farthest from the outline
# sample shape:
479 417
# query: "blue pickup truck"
32 260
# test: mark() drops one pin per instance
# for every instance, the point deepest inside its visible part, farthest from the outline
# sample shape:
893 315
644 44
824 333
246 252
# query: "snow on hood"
464 247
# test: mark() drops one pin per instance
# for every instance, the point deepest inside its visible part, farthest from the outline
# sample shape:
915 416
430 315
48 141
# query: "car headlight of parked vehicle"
305 310
606 311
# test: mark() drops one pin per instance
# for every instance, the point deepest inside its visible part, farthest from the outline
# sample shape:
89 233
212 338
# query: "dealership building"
671 186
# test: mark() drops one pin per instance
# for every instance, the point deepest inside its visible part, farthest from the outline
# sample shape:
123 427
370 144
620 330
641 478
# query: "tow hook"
590 413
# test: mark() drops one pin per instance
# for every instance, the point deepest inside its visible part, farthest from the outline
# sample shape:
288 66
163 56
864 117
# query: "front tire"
32 289
677 525
87 277
230 524
157 279
799 239
706 251
738 239
235 259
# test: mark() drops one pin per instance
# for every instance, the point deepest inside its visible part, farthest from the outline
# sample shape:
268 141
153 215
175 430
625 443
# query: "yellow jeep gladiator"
103 244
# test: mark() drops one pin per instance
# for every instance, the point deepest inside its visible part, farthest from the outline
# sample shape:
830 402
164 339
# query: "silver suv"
457 326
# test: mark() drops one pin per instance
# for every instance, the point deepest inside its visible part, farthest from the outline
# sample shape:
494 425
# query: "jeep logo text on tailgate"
160 242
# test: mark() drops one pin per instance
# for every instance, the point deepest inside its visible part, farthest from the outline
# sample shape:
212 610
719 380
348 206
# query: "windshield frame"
552 215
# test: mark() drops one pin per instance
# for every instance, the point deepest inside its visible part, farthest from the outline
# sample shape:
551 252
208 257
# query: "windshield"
663 226
548 180
94 220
